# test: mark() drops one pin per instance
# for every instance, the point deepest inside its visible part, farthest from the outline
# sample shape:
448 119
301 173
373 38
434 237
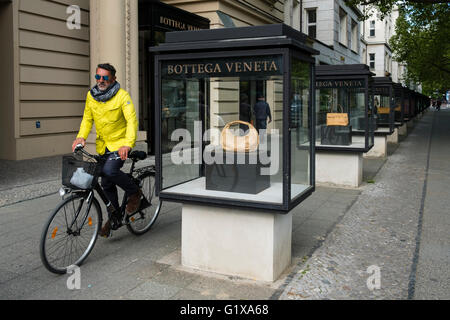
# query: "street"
397 225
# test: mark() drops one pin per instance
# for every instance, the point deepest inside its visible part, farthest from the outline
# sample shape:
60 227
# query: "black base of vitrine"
237 177
383 119
362 124
336 135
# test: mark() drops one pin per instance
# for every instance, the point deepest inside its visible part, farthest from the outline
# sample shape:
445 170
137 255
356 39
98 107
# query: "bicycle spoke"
70 235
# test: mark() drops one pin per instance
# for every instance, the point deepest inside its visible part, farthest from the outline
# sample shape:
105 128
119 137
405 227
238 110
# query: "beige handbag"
247 143
337 119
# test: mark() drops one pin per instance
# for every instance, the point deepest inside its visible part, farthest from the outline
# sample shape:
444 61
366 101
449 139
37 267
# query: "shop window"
372 60
312 23
354 36
343 38
372 28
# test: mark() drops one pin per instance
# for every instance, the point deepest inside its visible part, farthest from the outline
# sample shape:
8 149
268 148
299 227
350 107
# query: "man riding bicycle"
112 110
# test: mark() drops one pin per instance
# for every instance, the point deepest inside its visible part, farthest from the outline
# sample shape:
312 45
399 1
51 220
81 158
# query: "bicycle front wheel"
70 233
141 222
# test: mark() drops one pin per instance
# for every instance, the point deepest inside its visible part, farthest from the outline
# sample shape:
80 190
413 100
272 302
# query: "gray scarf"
103 96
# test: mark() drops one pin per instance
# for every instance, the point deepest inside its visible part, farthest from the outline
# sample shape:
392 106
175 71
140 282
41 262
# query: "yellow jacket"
115 122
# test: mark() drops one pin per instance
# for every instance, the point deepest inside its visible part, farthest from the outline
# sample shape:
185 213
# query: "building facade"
51 49
377 34
332 26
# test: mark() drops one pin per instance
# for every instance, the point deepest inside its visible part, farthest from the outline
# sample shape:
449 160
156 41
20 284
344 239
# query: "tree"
385 6
421 39
422 43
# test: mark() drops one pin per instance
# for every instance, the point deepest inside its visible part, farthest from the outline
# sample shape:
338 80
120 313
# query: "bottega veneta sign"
176 24
263 65
340 84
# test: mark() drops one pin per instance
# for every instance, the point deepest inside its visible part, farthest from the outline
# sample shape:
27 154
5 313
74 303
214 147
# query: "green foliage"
422 43
421 39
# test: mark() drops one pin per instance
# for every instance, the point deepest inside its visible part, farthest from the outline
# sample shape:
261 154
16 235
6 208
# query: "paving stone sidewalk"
337 234
381 230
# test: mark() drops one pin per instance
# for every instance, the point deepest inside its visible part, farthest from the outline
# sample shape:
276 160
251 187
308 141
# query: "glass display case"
243 131
407 115
344 108
384 104
399 104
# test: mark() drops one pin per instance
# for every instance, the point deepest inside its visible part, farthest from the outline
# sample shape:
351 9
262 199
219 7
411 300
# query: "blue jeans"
261 124
113 176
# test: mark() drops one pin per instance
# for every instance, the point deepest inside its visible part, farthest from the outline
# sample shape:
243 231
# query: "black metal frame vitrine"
350 79
384 102
399 107
275 47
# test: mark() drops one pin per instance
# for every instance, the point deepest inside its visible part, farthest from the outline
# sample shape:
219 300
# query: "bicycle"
71 231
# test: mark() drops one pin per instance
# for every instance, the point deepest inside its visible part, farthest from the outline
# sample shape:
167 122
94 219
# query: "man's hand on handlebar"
77 142
123 152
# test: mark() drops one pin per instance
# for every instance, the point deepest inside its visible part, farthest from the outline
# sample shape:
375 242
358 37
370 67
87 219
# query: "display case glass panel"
300 128
234 125
398 104
383 99
344 117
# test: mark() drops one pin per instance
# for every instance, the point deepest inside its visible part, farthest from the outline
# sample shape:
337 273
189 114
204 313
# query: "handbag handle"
338 106
229 124
246 142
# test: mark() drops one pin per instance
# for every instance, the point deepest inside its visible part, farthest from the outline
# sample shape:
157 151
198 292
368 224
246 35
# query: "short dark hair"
109 67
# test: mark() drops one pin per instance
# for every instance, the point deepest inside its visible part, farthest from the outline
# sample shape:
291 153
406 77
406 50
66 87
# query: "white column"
339 168
251 244
379 149
393 138
114 39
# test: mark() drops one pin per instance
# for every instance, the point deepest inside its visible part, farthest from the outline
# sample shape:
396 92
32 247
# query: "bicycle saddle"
138 155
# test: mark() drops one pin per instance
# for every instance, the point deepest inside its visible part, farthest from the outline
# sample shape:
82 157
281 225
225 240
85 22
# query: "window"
372 60
312 21
372 28
343 27
354 36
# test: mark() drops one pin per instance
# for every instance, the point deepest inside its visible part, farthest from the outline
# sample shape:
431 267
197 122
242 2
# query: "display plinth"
236 242
336 135
393 138
379 149
403 130
339 168
238 177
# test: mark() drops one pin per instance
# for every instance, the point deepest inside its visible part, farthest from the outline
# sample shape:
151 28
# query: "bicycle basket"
78 174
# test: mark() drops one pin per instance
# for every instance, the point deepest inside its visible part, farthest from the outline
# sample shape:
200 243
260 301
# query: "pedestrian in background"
262 112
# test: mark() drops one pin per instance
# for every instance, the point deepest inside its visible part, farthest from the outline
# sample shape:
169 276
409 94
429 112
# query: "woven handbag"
234 143
337 118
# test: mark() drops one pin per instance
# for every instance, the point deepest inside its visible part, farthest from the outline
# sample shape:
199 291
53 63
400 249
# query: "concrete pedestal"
339 168
403 130
250 244
410 124
393 138
379 149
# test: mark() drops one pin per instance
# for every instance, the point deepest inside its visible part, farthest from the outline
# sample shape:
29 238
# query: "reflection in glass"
195 110
340 113
299 127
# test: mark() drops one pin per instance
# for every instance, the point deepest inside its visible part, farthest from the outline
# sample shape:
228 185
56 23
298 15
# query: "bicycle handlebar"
80 148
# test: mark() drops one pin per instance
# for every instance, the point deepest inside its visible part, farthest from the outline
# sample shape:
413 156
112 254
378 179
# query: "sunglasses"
98 77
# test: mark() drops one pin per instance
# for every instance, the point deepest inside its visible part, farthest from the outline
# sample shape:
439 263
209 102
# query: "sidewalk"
337 235
399 224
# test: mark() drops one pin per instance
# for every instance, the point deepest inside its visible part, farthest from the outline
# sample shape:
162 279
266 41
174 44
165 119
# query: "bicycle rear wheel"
142 221
70 233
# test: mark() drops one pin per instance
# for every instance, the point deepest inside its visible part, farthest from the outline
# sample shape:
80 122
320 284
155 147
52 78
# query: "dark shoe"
134 201
106 230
